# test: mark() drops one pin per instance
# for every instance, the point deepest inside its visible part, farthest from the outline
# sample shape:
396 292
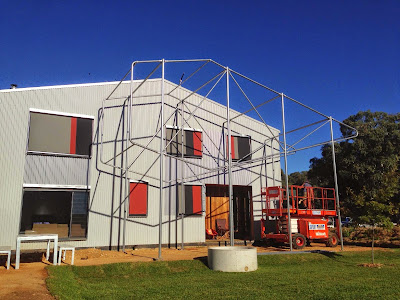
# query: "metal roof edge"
71 85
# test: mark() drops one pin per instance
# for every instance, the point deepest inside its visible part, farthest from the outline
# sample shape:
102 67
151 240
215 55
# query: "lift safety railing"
303 201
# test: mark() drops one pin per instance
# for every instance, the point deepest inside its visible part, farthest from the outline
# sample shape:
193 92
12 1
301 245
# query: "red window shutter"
196 190
72 143
233 154
138 199
197 143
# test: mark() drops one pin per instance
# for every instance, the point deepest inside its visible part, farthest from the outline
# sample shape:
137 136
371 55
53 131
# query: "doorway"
217 207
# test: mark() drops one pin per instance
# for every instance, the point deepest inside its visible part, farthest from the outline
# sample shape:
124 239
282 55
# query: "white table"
66 248
37 237
6 250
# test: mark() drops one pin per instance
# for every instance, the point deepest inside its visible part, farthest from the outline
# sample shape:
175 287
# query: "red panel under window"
138 199
72 143
196 190
197 143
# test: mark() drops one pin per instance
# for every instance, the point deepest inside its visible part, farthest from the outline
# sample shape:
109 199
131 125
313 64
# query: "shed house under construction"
90 170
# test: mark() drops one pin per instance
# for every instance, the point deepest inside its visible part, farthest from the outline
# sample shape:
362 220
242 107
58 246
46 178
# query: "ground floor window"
63 212
191 204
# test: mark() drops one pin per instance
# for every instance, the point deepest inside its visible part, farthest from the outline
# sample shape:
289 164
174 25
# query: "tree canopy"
296 178
368 167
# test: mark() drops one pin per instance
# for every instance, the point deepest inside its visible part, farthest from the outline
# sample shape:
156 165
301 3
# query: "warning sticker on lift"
320 234
316 226
273 192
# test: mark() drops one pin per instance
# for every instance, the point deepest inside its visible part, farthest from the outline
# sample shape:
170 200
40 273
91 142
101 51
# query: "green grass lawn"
298 276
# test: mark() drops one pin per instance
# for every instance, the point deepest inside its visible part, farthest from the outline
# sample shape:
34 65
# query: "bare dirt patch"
26 283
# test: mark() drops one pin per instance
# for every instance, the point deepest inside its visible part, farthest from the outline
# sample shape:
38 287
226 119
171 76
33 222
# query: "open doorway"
217 208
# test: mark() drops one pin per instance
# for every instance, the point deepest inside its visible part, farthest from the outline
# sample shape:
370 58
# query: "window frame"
239 136
202 200
147 200
59 188
61 114
185 129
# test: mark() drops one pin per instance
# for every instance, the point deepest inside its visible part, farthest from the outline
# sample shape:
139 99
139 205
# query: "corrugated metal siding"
13 137
43 169
105 201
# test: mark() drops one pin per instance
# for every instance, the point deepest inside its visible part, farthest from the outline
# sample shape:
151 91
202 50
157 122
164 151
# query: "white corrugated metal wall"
19 168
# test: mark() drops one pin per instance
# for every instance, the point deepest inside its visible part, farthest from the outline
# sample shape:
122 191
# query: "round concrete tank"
232 259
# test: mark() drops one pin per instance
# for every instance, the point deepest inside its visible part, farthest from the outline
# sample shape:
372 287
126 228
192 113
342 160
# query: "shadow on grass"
328 254
334 256
202 259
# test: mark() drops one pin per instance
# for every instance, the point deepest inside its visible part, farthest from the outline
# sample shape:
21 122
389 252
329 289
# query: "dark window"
60 134
174 138
61 212
83 136
240 147
192 140
138 199
79 214
192 204
193 143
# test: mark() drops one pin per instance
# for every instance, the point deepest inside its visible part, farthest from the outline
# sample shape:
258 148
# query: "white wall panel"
44 169
18 168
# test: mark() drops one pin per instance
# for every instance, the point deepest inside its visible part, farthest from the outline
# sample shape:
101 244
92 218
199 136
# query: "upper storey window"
240 147
56 133
192 141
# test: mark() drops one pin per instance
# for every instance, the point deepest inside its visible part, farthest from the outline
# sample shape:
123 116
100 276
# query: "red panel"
72 143
196 190
138 199
197 143
233 147
314 228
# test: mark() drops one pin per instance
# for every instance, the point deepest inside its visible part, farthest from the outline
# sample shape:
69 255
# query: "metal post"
161 160
273 163
228 124
182 176
123 178
336 186
286 172
127 186
264 162
125 213
121 193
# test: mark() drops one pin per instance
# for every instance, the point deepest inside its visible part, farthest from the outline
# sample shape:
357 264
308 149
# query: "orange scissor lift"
312 211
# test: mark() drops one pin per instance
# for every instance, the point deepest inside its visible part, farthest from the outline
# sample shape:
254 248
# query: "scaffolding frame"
182 108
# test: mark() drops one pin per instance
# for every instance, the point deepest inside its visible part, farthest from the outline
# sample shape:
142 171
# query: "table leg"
55 250
8 260
17 254
72 257
59 258
48 250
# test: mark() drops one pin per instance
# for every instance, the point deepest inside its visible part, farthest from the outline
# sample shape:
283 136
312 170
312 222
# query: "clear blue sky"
339 57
